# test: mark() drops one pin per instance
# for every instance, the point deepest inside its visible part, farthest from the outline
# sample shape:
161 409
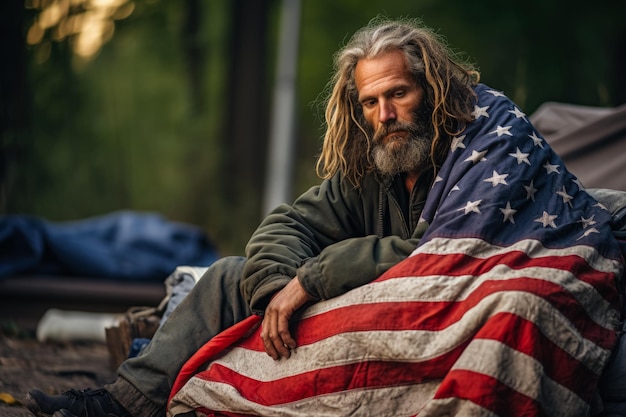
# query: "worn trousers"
215 303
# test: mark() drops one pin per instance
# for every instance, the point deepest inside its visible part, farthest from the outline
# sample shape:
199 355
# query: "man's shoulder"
494 107
487 93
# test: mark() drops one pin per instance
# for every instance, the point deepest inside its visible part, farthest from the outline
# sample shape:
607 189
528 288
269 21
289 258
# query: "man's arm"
354 262
275 333
292 235
327 238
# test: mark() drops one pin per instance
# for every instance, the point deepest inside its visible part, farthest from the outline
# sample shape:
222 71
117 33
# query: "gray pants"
214 304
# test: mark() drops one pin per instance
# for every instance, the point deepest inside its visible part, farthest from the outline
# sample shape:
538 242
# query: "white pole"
281 140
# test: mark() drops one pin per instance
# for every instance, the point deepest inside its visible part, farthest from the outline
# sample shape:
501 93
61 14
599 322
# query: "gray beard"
412 155
393 158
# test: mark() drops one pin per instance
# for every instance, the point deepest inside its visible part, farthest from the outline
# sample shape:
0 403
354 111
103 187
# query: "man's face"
393 106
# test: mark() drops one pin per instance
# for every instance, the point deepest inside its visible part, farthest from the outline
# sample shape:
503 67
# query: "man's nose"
387 112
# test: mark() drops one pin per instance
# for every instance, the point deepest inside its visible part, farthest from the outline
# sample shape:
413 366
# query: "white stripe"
455 407
418 345
522 373
390 401
479 248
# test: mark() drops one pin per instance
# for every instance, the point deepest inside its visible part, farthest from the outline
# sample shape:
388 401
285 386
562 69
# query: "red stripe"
423 264
366 374
212 349
437 315
515 332
488 393
524 336
562 301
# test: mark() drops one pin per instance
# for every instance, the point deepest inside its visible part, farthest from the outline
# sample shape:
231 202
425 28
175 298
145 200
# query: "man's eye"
368 103
399 93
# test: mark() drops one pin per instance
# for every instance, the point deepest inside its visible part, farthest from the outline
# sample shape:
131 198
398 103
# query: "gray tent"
590 140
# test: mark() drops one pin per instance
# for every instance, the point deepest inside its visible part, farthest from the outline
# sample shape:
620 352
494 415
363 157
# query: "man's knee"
227 270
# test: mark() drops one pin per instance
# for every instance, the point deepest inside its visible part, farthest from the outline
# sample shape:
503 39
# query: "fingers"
268 337
289 343
277 339
275 333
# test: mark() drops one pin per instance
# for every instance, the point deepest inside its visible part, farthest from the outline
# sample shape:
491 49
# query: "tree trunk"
13 96
244 138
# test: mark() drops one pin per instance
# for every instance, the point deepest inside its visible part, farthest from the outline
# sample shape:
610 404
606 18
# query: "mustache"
385 130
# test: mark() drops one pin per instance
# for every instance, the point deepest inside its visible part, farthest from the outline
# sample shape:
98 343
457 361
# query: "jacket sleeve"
326 238
352 263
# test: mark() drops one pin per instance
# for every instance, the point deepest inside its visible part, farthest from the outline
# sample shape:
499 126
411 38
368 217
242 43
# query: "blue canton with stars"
502 182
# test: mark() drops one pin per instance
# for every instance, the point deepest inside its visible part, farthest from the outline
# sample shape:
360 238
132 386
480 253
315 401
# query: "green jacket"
334 238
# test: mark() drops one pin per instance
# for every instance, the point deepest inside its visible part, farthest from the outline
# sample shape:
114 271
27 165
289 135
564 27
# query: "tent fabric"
123 245
591 141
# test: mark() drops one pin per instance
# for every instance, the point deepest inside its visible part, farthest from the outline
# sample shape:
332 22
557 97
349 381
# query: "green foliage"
119 132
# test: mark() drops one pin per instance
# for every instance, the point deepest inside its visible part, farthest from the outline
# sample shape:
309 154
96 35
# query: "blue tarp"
123 245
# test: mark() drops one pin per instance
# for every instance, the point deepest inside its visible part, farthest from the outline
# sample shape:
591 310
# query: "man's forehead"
376 74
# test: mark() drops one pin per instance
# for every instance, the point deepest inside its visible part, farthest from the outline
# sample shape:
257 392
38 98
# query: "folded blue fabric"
122 245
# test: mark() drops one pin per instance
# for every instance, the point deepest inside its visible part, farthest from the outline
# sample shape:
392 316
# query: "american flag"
503 183
508 307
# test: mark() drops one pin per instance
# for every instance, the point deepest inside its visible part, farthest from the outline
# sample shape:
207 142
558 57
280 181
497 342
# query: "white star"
437 179
520 156
496 179
508 213
547 220
518 113
530 191
496 93
588 232
457 142
537 141
480 111
567 199
503 131
477 157
455 188
471 206
551 168
588 222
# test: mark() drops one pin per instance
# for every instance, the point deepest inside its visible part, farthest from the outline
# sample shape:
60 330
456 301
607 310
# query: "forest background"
165 106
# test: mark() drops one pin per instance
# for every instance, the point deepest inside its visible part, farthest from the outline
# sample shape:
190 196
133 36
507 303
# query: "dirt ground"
26 364
55 367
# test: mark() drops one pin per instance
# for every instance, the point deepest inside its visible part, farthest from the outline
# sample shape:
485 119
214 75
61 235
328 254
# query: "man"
397 100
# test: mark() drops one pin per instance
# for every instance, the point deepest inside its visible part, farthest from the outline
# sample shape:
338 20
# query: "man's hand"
275 332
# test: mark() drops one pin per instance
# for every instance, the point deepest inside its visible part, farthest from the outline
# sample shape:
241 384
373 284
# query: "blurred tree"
243 137
168 115
13 94
87 25
195 53
168 109
619 68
